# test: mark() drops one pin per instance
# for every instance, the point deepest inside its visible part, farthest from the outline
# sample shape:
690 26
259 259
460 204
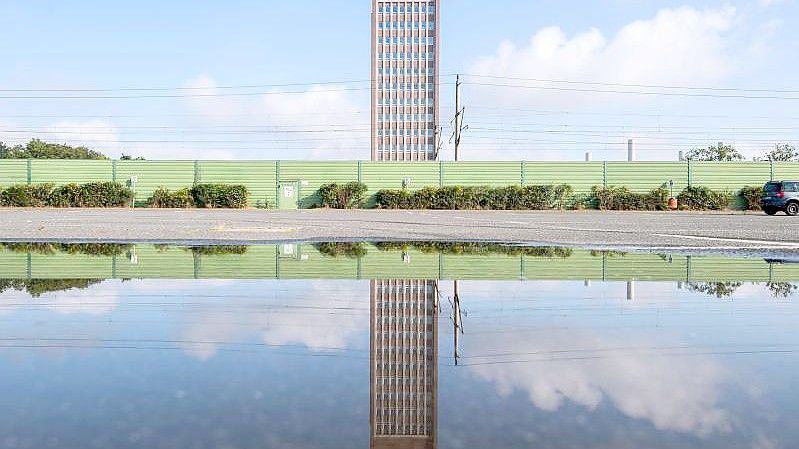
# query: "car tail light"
780 194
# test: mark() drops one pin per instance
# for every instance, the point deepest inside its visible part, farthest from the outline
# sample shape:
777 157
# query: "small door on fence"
289 195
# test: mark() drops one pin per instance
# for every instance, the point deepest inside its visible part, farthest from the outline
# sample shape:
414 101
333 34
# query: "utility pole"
457 321
458 125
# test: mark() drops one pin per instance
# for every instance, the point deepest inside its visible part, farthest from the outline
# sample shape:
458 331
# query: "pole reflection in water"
404 360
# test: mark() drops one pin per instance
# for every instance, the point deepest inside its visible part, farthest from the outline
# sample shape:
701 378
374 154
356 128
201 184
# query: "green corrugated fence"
263 178
305 261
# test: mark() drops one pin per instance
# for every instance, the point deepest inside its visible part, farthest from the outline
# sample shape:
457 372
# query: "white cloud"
322 317
98 299
98 134
673 393
289 123
681 46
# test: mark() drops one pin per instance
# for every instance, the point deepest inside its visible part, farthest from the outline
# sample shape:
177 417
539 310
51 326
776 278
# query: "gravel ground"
642 230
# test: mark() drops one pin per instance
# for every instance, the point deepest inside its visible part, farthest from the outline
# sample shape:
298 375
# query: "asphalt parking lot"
678 230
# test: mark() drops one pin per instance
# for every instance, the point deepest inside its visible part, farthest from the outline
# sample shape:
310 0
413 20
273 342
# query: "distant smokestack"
631 150
588 156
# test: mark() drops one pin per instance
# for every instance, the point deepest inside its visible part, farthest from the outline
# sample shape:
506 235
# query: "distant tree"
782 289
127 157
720 290
37 149
4 150
721 152
782 152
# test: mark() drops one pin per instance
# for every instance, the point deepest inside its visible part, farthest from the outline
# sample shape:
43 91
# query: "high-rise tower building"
404 364
405 80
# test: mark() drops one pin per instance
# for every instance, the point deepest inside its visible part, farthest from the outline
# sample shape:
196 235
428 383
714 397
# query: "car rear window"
772 187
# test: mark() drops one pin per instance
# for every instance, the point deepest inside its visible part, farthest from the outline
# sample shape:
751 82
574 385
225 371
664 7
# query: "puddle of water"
394 345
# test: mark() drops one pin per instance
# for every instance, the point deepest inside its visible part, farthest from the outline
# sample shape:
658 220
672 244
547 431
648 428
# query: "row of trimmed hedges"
477 198
94 194
692 198
547 197
211 196
352 195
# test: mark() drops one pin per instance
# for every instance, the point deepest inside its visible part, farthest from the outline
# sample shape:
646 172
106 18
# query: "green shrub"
220 250
751 196
95 194
703 198
477 248
343 196
621 198
88 249
339 249
475 198
105 194
69 195
164 198
394 199
220 196
24 195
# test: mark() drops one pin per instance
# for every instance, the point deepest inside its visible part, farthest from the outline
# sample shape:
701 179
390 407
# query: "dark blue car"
781 196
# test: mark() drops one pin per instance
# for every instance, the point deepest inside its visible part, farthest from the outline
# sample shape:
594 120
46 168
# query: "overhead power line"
632 92
646 86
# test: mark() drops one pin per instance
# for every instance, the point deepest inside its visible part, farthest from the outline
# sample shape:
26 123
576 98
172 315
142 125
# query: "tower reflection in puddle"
404 364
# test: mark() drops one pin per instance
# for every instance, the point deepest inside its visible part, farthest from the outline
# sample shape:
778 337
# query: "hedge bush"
703 198
536 197
752 196
343 196
222 196
621 198
95 194
229 196
25 195
164 198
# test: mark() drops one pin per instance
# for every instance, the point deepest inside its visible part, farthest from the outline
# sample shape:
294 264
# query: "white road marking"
723 239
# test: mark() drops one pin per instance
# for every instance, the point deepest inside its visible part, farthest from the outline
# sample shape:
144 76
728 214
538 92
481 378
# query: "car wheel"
792 209
770 211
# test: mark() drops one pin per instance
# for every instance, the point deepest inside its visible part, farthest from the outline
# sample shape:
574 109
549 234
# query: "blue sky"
204 45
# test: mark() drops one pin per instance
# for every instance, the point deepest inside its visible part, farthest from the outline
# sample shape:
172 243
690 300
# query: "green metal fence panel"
580 175
641 177
13 264
408 264
644 267
13 171
154 174
716 269
498 267
261 177
155 262
306 262
482 173
71 266
579 266
786 171
257 262
392 175
61 172
730 175
258 176
312 175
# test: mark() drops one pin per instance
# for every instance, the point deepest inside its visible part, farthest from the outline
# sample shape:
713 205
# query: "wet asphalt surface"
732 232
